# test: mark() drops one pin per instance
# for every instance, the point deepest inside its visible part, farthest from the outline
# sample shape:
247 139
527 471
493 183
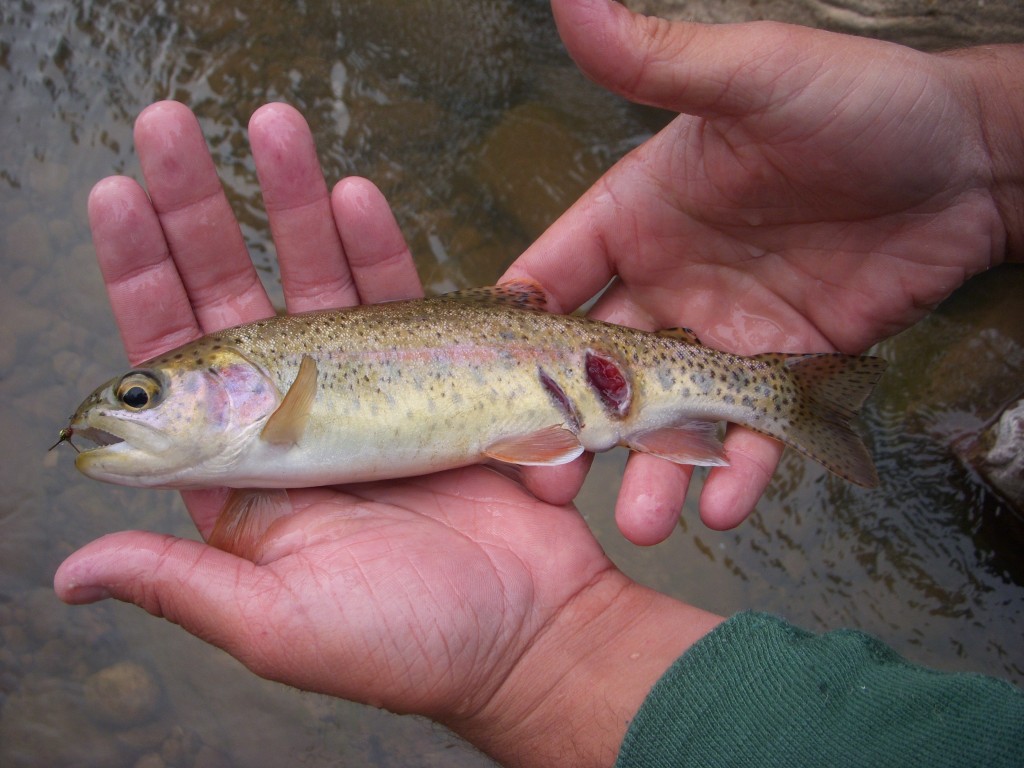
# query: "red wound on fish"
609 380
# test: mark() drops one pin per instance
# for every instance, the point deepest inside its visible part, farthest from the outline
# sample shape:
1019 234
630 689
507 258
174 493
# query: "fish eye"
138 390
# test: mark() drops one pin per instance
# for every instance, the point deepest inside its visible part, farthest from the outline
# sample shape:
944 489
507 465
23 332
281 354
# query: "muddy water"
479 130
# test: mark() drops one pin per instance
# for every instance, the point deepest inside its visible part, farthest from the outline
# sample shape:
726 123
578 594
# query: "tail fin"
832 388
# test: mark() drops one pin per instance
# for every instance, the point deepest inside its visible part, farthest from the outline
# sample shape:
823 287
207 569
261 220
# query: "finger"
196 219
616 224
382 265
557 485
570 259
149 301
183 581
697 69
731 493
651 498
314 272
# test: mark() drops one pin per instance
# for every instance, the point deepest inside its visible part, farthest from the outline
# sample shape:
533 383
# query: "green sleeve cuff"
759 691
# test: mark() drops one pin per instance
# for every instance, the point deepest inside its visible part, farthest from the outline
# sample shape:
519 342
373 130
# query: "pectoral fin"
247 515
549 446
693 442
286 425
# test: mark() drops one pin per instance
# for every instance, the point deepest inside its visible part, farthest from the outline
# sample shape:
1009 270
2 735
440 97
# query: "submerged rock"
534 166
122 695
42 723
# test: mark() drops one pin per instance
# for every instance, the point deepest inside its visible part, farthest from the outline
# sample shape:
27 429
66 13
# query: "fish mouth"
98 437
120 451
111 434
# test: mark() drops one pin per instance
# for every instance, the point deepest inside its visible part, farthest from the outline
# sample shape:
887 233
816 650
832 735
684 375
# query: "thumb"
186 582
699 69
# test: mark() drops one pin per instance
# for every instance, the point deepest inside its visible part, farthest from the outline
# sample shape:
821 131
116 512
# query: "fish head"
178 421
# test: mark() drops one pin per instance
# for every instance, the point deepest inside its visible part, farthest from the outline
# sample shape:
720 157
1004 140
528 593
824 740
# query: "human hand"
819 192
458 596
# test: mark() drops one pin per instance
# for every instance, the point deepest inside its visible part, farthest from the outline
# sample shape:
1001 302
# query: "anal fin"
286 425
691 442
546 447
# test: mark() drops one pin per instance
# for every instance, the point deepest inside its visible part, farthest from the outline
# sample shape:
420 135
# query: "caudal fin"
832 388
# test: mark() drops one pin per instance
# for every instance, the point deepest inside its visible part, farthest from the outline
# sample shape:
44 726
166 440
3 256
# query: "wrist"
995 84
574 691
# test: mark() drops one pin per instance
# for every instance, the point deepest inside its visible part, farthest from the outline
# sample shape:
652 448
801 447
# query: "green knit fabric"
757 691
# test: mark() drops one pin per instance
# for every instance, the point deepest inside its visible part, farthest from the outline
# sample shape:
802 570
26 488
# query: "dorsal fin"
683 334
520 294
286 425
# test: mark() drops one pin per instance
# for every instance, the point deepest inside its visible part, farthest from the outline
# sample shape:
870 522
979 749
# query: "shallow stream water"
480 131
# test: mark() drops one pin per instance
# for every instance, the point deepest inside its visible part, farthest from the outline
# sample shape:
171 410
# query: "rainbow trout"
411 387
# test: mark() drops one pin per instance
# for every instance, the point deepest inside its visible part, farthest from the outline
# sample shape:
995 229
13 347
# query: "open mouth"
109 434
98 437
